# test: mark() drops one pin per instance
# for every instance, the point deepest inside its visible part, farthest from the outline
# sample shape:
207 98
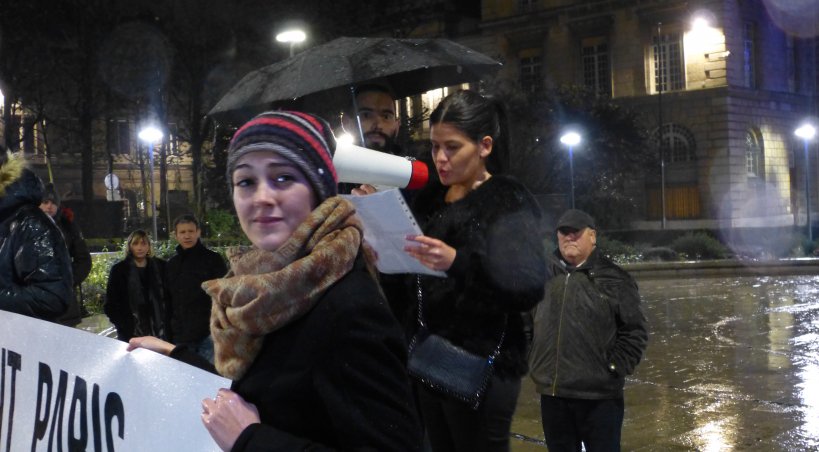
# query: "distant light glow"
700 23
805 132
150 134
570 138
294 35
345 138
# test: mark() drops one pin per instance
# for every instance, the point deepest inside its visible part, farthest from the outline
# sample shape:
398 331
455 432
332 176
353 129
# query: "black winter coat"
499 270
187 305
125 303
35 269
80 262
590 330
334 379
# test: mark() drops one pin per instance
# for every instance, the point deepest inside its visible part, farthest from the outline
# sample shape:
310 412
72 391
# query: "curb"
722 268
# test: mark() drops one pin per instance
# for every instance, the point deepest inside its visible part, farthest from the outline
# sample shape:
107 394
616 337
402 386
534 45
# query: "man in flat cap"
590 332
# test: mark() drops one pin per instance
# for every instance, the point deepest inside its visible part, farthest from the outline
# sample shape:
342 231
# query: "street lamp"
571 139
293 36
806 132
151 135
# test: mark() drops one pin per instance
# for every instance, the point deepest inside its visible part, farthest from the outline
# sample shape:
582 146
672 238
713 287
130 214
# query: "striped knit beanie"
304 139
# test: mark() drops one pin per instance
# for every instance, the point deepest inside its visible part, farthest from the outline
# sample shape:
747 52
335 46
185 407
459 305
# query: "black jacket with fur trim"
35 269
499 271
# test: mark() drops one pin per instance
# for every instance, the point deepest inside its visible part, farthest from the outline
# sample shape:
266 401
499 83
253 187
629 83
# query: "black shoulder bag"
446 368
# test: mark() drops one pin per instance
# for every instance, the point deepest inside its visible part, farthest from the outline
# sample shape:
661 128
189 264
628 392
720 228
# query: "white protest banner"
66 389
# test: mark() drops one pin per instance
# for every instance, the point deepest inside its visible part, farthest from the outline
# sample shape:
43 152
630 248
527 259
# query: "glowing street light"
151 135
571 139
806 132
293 36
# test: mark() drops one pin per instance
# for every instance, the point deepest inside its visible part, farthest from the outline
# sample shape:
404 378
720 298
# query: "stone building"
728 80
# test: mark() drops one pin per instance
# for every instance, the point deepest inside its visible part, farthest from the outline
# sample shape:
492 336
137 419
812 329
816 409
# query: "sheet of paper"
387 222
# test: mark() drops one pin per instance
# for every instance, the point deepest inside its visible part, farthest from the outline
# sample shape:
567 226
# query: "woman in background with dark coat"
77 250
135 293
482 229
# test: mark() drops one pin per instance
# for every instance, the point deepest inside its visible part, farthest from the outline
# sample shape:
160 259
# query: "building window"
678 144
596 68
29 130
119 136
668 62
525 6
530 74
748 54
754 156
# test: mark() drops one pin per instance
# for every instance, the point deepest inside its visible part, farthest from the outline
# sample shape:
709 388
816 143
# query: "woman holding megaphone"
481 228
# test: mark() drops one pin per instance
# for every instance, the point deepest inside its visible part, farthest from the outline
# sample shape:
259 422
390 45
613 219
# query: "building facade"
721 84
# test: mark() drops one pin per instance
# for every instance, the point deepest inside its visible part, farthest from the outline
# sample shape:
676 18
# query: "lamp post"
571 139
806 132
151 135
660 82
293 36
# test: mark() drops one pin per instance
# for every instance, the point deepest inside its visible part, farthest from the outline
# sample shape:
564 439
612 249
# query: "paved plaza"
732 364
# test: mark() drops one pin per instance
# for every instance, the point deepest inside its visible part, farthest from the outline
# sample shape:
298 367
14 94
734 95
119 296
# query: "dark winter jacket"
188 306
80 262
136 306
35 269
590 331
334 379
499 270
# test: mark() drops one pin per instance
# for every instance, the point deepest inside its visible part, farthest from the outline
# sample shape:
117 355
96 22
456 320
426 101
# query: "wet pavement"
732 364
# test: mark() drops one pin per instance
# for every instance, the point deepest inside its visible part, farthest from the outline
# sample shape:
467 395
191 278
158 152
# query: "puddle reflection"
732 364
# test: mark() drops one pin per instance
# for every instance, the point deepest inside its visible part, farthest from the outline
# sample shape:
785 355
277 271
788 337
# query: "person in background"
134 298
299 323
481 228
590 332
379 121
188 306
35 268
77 249
380 124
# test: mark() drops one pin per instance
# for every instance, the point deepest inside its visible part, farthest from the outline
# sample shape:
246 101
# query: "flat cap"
575 219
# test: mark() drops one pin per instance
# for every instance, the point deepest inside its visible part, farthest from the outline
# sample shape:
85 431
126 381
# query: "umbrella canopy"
408 66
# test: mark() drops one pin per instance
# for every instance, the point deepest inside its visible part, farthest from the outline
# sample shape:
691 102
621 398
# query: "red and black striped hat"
303 138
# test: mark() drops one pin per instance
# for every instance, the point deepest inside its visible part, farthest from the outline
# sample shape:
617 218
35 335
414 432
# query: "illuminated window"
678 144
668 62
754 157
596 67
748 55
530 74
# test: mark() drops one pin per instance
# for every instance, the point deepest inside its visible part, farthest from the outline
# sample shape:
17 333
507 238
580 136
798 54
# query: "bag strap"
422 324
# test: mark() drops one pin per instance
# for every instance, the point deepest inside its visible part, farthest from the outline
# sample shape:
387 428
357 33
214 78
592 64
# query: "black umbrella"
408 66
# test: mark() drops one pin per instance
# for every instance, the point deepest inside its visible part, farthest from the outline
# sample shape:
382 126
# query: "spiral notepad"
387 222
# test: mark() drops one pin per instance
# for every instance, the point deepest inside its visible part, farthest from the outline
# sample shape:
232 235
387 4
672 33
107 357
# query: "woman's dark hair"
477 116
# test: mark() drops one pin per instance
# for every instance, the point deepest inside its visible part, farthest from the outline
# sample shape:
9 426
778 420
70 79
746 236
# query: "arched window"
678 143
754 155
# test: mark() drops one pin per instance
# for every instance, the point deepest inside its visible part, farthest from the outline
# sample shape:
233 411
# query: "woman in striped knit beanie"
299 322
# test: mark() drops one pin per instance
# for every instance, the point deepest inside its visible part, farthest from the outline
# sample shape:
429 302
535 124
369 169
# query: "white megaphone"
365 166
